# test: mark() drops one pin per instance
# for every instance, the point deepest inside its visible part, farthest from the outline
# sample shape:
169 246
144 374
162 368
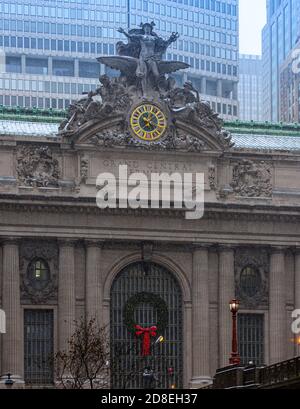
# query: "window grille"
251 338
250 281
38 346
127 363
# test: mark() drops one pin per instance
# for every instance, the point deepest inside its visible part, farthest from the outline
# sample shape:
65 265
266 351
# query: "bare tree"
85 365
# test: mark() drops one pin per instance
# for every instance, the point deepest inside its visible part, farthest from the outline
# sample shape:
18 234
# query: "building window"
38 346
250 281
38 274
251 338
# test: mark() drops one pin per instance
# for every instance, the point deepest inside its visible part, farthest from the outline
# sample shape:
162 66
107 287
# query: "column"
203 85
12 341
50 66
219 88
93 284
297 291
66 293
226 294
23 64
76 68
200 317
277 307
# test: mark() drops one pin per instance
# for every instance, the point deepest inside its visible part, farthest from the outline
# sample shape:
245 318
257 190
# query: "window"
13 64
89 69
37 66
251 338
38 274
63 68
250 281
38 346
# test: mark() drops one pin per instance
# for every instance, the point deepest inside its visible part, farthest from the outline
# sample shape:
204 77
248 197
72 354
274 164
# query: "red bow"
147 333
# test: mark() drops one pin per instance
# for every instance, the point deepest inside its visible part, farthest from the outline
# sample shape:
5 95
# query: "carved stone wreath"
33 250
36 166
259 260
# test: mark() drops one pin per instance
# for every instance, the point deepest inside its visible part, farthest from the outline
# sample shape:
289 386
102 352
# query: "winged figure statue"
142 58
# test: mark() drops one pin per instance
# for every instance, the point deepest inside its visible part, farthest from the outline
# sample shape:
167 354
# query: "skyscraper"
250 88
278 38
290 89
50 46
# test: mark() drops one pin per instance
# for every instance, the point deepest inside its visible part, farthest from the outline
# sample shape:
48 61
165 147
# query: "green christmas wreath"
157 302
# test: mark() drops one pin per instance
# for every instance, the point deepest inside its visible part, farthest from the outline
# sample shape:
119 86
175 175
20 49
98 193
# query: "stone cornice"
89 243
67 242
278 249
218 211
10 241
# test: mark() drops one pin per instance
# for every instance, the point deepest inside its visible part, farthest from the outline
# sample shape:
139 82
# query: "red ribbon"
147 333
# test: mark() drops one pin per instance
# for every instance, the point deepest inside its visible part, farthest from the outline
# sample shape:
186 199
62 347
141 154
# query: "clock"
148 122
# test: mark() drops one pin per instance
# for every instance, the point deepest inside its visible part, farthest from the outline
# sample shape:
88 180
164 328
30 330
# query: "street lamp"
235 358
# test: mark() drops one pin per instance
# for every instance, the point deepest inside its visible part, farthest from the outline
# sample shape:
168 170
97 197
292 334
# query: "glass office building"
278 38
250 88
49 46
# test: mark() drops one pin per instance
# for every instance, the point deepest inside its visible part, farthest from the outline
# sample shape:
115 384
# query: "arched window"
250 281
146 294
38 273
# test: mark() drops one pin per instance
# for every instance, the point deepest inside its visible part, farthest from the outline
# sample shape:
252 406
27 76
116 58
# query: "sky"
252 20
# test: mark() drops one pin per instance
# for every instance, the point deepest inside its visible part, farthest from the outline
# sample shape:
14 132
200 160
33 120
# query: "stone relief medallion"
148 122
252 179
37 167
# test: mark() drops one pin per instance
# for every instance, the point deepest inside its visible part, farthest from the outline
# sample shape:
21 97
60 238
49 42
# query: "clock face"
148 122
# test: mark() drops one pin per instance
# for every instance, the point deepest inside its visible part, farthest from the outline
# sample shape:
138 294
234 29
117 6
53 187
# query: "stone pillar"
93 283
297 292
226 294
203 85
23 64
76 68
50 66
66 293
277 309
219 88
200 317
12 341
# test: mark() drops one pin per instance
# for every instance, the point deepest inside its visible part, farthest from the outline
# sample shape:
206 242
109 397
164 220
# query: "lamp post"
235 358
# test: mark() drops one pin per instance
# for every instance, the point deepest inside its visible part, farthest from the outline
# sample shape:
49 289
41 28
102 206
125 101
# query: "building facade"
50 47
63 258
250 88
290 88
279 36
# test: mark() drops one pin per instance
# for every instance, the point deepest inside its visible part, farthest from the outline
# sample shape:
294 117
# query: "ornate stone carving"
177 140
84 169
141 59
36 166
84 172
45 250
147 251
252 179
259 260
212 177
143 80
